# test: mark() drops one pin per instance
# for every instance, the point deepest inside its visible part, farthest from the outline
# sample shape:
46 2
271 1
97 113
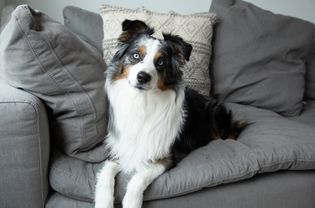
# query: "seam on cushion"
32 49
35 106
40 156
73 78
285 161
268 134
95 115
65 70
42 67
36 56
81 88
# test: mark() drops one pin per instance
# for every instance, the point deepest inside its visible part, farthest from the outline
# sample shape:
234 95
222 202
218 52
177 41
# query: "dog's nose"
143 77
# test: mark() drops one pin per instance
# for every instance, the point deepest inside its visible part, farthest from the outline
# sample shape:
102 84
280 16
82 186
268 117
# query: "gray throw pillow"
259 58
87 25
44 58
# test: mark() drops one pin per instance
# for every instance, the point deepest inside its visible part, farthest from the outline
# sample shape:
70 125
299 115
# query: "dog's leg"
140 181
104 190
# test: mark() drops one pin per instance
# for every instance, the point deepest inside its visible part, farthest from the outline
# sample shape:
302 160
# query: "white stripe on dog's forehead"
152 46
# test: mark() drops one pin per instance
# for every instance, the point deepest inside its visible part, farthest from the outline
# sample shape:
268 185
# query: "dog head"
148 63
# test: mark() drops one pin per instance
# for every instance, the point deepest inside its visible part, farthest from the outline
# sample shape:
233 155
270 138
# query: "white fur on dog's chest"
146 123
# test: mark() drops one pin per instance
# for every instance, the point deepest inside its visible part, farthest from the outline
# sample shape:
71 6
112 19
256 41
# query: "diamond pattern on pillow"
196 29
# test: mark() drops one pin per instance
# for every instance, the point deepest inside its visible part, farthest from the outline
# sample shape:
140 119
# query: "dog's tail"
226 126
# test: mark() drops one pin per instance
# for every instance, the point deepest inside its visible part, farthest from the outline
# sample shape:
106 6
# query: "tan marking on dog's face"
142 51
162 86
158 55
123 75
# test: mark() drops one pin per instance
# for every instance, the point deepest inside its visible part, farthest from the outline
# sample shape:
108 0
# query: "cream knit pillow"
196 29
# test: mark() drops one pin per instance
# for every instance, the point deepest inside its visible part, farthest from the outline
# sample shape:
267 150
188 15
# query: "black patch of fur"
180 46
171 73
206 119
133 28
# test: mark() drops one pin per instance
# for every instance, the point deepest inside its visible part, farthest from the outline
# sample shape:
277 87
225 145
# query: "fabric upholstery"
24 149
307 117
88 25
310 71
283 189
259 58
196 29
270 143
44 58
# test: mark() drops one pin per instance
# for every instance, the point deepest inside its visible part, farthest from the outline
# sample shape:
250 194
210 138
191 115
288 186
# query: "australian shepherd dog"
154 119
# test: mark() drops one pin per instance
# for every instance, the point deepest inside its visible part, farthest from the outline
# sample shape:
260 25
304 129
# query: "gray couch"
262 65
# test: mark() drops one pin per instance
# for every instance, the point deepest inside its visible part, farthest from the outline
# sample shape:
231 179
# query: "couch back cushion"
87 25
259 58
44 58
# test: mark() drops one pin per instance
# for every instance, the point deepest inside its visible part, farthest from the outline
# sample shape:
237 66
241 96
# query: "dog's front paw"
101 201
104 204
132 201
104 199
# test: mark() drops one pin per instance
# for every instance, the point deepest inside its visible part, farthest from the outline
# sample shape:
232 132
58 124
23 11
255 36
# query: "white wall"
54 7
304 9
2 4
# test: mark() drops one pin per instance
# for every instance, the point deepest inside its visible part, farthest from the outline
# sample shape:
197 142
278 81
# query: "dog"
154 119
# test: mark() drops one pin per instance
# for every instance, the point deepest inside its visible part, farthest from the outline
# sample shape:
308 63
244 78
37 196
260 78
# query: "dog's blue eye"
136 55
161 62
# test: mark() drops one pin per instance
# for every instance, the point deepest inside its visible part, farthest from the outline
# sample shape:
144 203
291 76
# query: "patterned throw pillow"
196 29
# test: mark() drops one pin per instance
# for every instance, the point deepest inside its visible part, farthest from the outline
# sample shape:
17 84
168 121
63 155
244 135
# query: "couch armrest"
24 149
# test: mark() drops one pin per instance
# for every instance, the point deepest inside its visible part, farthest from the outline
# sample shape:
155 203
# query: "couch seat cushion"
275 190
270 143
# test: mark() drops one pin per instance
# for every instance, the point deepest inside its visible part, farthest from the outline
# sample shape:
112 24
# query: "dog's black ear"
182 48
132 28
